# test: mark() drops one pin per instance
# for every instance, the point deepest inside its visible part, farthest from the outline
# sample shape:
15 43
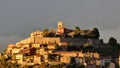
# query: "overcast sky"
18 18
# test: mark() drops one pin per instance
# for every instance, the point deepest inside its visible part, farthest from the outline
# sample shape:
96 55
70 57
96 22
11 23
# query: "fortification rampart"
69 41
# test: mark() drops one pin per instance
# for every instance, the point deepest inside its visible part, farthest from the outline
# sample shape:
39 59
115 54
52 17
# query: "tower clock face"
60 24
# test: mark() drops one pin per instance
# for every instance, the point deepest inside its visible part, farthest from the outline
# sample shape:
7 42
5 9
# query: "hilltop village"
56 46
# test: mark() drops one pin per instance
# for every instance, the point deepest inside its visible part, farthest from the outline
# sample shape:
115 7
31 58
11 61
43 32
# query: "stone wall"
69 41
58 40
80 41
45 40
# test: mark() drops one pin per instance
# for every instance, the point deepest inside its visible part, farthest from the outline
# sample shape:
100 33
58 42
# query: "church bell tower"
60 27
60 24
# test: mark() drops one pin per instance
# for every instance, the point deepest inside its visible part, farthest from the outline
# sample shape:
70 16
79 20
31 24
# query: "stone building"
51 46
15 51
19 58
65 59
37 59
61 28
37 49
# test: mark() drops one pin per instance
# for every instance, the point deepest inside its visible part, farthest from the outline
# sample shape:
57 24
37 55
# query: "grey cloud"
21 17
106 34
4 41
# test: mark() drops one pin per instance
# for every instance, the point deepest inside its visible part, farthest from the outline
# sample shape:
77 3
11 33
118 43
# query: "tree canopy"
77 30
112 41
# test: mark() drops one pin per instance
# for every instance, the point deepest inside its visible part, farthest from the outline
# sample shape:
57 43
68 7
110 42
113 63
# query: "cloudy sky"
18 18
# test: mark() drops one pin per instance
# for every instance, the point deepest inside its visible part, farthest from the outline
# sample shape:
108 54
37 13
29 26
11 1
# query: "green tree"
89 48
77 30
114 47
45 32
51 33
112 41
96 33
2 62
